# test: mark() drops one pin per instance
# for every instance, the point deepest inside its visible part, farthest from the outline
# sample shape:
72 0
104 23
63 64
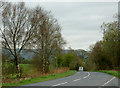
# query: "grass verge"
0 85
111 72
40 79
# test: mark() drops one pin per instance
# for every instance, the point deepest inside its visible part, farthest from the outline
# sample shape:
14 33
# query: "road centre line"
108 81
73 80
83 77
59 84
87 75
76 80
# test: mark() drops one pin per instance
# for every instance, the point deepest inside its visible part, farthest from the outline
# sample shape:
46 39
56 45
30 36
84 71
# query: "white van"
80 68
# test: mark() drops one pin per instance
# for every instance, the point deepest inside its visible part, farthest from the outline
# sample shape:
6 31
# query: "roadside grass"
111 72
40 79
0 85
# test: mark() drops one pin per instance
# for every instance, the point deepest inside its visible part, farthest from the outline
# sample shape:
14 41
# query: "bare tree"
48 36
17 30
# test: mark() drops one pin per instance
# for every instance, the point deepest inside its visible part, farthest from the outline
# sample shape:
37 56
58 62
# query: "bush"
37 63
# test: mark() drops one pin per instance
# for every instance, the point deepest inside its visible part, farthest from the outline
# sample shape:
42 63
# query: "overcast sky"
80 21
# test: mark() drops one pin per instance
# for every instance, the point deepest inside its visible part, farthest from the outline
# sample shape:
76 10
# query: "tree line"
25 28
105 54
37 31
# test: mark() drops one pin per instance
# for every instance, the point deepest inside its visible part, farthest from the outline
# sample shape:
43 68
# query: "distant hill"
26 54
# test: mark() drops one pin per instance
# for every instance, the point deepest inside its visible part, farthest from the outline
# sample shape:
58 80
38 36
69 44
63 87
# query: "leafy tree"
90 65
57 61
105 54
68 59
98 57
111 42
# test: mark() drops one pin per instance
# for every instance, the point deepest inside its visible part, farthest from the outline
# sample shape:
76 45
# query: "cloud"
80 21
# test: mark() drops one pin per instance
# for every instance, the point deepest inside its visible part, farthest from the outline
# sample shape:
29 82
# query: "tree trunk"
43 66
17 67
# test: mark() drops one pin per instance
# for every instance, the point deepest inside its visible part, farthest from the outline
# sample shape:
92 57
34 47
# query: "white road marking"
73 80
87 75
76 80
83 77
108 81
59 84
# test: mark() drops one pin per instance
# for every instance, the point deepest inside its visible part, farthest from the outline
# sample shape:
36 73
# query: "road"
81 79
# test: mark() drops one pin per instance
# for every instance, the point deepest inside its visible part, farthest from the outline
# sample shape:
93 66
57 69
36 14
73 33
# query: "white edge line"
108 81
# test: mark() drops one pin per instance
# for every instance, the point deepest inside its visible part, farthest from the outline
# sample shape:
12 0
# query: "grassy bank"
40 79
111 72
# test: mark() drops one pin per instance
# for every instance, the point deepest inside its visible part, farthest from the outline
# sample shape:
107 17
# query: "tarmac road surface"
83 78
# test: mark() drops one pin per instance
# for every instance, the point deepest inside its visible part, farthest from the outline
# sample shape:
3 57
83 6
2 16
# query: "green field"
25 68
41 79
111 72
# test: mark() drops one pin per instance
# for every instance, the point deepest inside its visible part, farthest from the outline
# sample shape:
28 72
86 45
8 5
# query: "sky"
80 21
